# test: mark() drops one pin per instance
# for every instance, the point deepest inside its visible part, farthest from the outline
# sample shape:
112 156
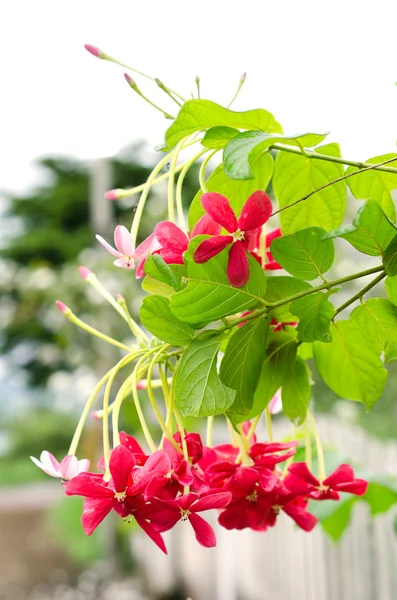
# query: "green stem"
202 171
240 85
320 454
269 424
371 167
76 321
308 446
171 181
210 426
138 407
336 159
360 293
134 327
179 206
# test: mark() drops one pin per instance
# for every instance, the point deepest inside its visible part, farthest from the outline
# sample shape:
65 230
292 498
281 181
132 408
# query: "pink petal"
206 226
121 463
256 211
171 237
342 474
83 465
238 270
149 245
301 470
211 501
275 405
48 468
272 235
211 247
204 533
125 263
140 269
94 512
49 461
123 241
108 247
69 467
219 209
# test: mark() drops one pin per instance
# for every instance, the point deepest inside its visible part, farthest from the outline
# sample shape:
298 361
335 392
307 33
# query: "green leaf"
198 390
296 392
305 351
371 231
208 295
381 495
377 319
282 287
280 356
390 258
199 115
296 176
350 365
334 516
156 267
157 317
376 185
303 253
314 313
391 289
154 286
218 137
237 192
241 363
245 148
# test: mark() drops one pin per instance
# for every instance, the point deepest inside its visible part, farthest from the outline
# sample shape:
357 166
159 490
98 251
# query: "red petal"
204 533
152 533
219 209
206 226
211 501
342 474
303 519
301 470
238 270
94 512
357 486
252 239
272 235
256 211
86 484
120 466
170 237
130 443
211 247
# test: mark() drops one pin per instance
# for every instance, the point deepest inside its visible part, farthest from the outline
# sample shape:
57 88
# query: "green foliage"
198 390
208 295
200 115
314 313
157 317
296 176
156 267
279 288
241 364
217 137
377 320
390 258
371 231
303 253
235 191
375 185
296 391
350 365
244 149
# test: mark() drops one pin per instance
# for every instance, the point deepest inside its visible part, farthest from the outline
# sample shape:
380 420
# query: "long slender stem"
323 187
138 407
76 321
360 293
171 181
308 445
179 206
269 424
210 427
320 454
336 159
202 170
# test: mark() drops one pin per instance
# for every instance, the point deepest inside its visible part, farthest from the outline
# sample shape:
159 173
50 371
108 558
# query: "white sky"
316 65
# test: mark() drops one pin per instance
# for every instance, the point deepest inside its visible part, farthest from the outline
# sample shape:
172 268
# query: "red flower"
244 232
302 481
164 514
271 264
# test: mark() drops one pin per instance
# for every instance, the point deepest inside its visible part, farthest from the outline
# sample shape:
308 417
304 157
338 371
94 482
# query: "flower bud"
114 194
85 272
94 51
63 308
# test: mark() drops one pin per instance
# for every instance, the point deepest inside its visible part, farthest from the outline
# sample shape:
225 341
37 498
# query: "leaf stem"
360 293
323 187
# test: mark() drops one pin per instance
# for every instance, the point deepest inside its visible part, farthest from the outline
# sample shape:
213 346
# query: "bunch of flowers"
229 323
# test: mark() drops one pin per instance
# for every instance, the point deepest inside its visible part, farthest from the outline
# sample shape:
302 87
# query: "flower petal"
149 245
69 467
301 470
46 465
125 263
303 519
256 211
211 247
219 209
108 247
272 235
123 241
88 484
219 500
238 270
204 533
95 510
206 226
121 463
343 474
83 465
357 487
170 237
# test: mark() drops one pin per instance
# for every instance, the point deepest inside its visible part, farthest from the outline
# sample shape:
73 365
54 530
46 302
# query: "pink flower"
301 480
125 252
68 468
275 405
244 232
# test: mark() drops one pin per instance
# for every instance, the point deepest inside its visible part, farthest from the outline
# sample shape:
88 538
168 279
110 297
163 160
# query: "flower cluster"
184 478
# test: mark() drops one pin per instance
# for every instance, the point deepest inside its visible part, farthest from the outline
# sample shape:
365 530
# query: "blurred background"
72 129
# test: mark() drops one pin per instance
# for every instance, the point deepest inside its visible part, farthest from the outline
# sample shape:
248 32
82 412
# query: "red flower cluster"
246 486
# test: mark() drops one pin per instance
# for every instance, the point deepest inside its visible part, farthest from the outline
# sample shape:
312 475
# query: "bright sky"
316 65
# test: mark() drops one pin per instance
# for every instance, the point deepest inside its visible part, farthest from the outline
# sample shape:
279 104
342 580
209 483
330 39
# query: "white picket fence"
285 562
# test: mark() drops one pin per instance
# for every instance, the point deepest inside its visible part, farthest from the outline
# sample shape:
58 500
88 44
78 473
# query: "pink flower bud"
96 414
85 272
243 76
94 50
62 307
141 384
131 82
114 194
